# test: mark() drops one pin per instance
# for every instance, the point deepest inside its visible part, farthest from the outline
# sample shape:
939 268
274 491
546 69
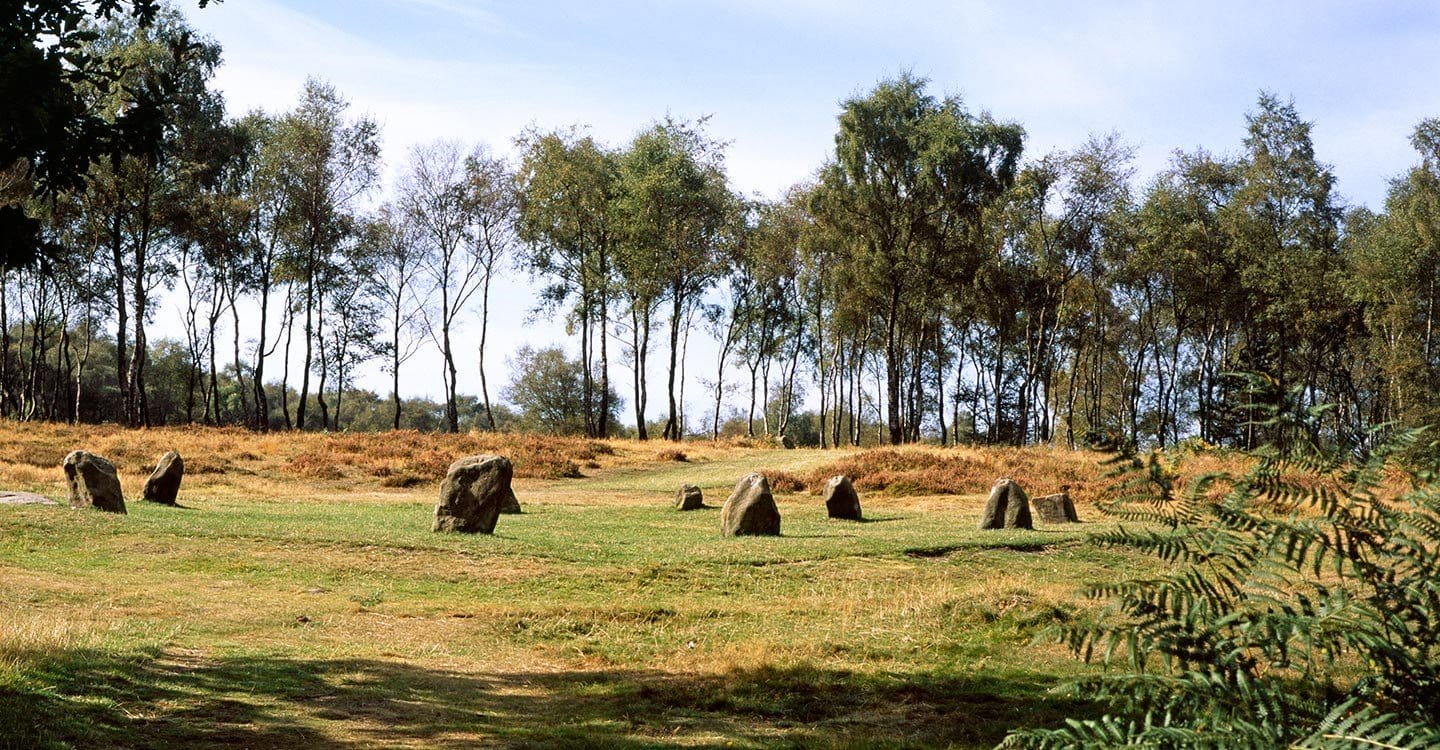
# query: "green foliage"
49 132
1301 606
549 389
911 177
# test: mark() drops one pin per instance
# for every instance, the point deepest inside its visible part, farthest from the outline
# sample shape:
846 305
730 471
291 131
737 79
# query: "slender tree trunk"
727 341
4 342
140 352
587 376
673 430
257 373
684 358
447 353
395 359
216 309
484 332
324 361
640 349
603 419
80 366
309 338
122 320
285 363
241 387
940 381
750 417
892 367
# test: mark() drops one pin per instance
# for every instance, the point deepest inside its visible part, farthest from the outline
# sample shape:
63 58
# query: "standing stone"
689 497
1007 508
164 484
510 504
93 482
750 510
841 500
1056 508
472 493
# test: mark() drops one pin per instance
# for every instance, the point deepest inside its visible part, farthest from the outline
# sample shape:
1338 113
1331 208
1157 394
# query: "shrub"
783 481
1302 609
957 472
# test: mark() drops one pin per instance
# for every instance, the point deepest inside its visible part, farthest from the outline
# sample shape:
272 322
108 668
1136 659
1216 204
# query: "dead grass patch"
783 481
961 471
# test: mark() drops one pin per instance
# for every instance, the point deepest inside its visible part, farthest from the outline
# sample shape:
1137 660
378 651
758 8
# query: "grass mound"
960 471
408 457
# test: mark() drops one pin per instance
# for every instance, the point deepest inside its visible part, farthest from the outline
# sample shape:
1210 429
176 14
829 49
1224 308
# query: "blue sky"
771 75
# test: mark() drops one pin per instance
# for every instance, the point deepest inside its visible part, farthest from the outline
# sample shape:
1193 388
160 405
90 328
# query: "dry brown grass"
930 471
783 481
269 464
276 463
962 471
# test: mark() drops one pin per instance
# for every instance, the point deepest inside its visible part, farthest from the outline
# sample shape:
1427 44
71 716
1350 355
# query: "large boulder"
750 510
689 497
841 500
164 483
1007 508
93 482
1056 508
472 494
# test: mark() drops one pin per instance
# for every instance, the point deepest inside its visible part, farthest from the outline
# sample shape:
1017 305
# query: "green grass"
600 616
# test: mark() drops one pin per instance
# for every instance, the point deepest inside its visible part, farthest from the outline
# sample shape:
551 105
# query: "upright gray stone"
93 482
472 493
1007 508
750 510
1056 508
510 504
689 497
841 500
163 486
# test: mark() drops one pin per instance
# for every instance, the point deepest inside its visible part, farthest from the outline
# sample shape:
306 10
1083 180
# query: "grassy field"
299 600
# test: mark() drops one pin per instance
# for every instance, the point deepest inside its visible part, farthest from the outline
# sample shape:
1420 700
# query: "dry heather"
31 453
963 471
407 457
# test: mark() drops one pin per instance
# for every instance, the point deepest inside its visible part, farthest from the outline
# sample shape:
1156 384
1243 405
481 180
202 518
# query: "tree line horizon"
930 281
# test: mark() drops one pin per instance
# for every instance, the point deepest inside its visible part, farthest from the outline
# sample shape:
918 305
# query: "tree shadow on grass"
90 699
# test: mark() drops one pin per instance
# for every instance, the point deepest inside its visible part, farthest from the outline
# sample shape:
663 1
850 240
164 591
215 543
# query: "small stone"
1007 508
510 504
24 498
750 510
689 497
93 482
1057 508
471 494
163 486
841 500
